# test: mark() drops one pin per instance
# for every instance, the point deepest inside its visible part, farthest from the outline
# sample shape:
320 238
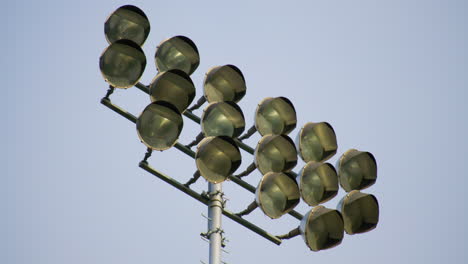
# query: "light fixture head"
173 86
360 212
159 125
127 22
122 63
322 228
318 183
217 158
224 83
316 142
277 194
178 52
357 170
275 153
275 116
223 119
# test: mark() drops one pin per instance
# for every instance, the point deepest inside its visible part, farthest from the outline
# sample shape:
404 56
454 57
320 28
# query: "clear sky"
389 76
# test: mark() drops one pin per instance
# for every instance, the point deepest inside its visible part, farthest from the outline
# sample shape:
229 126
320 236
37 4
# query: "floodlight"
275 116
275 153
277 194
360 212
173 86
178 52
127 22
318 183
357 170
224 83
222 123
223 119
316 142
217 158
159 125
122 63
322 228
220 119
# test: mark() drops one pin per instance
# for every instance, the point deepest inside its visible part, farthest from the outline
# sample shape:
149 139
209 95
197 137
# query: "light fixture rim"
270 99
134 9
131 44
219 67
192 90
271 137
318 165
300 137
258 196
309 216
228 140
169 106
232 104
185 39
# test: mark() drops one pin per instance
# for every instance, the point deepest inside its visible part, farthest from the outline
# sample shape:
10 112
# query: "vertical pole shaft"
215 208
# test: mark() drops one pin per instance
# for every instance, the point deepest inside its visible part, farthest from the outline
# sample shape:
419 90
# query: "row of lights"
222 123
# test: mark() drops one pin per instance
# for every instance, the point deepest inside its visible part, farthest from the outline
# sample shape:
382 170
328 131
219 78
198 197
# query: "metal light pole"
218 155
215 208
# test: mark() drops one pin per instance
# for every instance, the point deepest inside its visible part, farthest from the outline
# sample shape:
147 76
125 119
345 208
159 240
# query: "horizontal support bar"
187 151
205 200
107 102
192 116
142 87
242 183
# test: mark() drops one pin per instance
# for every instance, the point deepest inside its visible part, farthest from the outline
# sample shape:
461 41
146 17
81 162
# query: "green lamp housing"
275 116
173 86
179 53
275 153
360 212
122 63
322 228
316 142
357 170
224 83
159 125
277 194
217 158
127 22
318 183
223 119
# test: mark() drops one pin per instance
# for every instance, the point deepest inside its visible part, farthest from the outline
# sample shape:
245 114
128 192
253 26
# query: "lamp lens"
275 153
322 228
224 83
357 170
360 212
318 183
275 116
317 142
177 53
173 86
122 64
223 119
217 158
277 194
159 125
127 22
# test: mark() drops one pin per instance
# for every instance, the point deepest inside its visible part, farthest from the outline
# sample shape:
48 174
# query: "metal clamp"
223 198
217 230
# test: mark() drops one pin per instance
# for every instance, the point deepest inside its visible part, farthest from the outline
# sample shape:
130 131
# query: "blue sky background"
389 76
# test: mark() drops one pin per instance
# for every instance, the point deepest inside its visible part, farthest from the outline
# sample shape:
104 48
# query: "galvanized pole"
215 208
